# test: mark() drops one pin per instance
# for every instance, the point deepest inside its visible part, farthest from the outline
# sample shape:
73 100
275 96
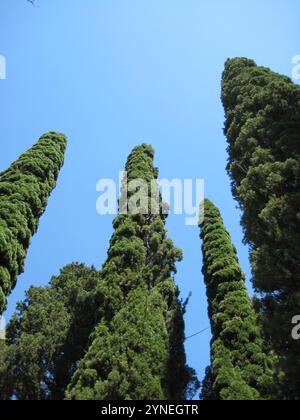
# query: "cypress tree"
263 131
24 191
48 335
240 369
136 350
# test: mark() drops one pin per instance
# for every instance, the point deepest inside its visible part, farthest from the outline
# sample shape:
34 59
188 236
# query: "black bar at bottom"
132 409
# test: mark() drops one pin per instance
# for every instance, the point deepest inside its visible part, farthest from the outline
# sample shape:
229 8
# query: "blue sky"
112 74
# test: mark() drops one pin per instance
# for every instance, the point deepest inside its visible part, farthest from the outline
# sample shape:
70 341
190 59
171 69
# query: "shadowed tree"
240 368
24 191
48 335
263 131
5 386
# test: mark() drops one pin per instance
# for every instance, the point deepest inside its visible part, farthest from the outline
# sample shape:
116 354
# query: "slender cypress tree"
136 350
48 335
240 369
24 191
263 131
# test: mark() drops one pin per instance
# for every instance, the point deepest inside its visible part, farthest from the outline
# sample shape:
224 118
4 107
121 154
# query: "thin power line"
200 332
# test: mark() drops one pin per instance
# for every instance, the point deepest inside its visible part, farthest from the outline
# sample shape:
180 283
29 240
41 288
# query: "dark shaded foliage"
48 335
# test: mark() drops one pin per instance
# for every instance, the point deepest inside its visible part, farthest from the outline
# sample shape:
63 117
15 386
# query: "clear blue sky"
112 74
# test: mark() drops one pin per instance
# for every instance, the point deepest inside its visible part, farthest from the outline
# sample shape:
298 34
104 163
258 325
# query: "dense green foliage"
5 389
263 132
24 191
118 334
48 335
240 369
136 350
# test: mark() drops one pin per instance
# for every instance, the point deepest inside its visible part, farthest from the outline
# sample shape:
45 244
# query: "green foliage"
49 335
24 191
136 350
263 131
5 390
240 368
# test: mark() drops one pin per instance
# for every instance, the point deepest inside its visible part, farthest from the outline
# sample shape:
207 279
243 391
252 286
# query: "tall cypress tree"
263 131
48 335
240 369
24 191
136 351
